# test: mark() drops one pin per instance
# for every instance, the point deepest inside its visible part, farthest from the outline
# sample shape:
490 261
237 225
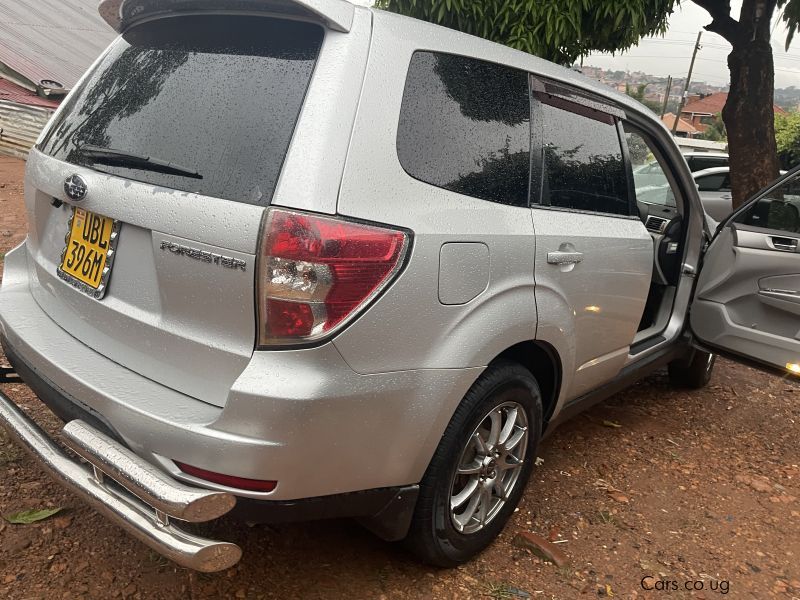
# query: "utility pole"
666 97
688 83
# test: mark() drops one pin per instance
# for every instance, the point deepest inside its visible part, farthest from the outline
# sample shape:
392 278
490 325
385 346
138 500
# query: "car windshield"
203 104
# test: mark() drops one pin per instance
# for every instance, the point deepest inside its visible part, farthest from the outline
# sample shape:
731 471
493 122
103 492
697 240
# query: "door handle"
564 258
785 244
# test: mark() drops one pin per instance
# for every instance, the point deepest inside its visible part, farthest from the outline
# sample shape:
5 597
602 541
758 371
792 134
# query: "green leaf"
26 517
559 30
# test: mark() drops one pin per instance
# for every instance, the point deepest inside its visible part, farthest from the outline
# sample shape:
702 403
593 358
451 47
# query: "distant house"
700 111
685 128
45 47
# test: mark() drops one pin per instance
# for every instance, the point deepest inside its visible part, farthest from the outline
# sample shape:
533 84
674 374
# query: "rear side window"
701 163
583 162
719 182
465 127
218 96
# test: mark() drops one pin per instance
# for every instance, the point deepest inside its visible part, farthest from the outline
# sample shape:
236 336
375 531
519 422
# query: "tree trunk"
749 116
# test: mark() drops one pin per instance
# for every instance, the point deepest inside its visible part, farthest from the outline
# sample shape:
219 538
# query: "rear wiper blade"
110 156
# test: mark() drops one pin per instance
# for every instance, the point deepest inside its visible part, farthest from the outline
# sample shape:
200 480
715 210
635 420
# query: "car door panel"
748 293
781 298
602 297
715 192
594 256
717 204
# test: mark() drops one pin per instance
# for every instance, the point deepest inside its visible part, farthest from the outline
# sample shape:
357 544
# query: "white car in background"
649 176
714 186
700 161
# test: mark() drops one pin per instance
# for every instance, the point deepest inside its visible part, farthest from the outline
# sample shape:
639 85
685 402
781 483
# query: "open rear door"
747 301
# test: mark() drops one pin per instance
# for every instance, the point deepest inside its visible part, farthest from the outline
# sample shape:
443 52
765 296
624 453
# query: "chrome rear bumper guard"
129 491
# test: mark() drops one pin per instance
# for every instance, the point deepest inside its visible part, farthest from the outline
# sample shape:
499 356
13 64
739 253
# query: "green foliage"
716 131
560 31
787 134
639 93
791 17
26 517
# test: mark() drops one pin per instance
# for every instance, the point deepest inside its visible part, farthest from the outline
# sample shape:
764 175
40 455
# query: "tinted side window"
701 163
583 164
465 127
779 210
711 183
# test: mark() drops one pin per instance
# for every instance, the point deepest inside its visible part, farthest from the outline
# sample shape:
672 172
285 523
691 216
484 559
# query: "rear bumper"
128 490
386 511
303 418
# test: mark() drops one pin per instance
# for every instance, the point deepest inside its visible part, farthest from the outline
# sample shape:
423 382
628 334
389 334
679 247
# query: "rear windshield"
216 96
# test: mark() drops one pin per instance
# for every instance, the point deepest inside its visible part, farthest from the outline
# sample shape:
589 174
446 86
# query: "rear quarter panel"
409 327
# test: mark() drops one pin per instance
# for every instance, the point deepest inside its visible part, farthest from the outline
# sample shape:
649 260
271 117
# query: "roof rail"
122 14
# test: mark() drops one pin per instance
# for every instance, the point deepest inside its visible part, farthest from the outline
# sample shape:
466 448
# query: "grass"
565 572
159 561
606 518
503 591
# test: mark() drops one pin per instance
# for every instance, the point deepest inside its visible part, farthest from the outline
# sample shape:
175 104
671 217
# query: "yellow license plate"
88 256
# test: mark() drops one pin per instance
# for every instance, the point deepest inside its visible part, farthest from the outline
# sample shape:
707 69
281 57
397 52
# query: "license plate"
89 252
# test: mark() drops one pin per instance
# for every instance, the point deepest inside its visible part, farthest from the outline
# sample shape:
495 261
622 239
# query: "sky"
671 54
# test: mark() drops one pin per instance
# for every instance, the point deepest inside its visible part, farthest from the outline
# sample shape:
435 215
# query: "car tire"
694 373
504 409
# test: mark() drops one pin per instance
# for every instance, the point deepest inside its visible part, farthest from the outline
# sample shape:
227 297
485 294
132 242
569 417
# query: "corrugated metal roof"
11 92
683 125
51 39
711 104
20 126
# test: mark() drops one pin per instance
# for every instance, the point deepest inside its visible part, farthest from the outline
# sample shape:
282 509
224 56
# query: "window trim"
543 85
633 207
764 230
582 211
575 108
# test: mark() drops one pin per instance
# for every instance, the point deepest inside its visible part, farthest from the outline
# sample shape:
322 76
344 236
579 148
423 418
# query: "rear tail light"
241 483
315 273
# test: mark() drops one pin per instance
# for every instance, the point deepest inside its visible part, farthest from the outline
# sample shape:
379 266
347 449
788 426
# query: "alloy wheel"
489 467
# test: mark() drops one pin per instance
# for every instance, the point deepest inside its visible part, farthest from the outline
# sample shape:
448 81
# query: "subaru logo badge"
75 187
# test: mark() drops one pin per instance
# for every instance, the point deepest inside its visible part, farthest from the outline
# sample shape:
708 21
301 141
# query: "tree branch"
722 23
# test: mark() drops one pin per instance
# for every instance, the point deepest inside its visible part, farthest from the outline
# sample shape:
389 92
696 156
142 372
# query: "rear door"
747 301
177 139
715 192
594 256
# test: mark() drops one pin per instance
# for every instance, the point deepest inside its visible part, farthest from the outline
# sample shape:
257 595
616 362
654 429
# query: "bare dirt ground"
696 488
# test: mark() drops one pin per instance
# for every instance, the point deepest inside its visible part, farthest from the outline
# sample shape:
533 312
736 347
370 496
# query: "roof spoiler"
122 14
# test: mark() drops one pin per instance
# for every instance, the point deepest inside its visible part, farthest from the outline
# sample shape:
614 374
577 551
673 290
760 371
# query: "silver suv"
316 260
